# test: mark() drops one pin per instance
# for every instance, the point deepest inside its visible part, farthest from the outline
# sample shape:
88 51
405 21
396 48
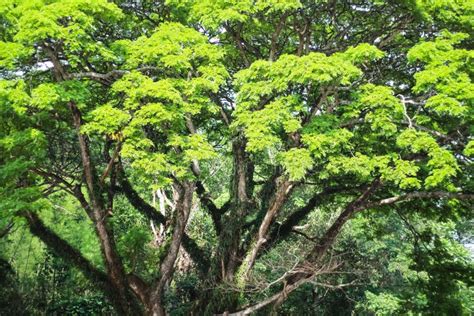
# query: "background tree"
261 129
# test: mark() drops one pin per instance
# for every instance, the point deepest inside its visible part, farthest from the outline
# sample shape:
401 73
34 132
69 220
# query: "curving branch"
67 252
199 257
5 230
108 77
183 198
281 195
282 231
206 200
417 195
137 202
292 282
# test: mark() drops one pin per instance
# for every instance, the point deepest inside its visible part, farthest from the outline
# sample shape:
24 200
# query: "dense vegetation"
298 157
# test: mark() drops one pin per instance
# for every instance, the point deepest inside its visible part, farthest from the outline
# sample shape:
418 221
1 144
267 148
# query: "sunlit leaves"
138 88
69 21
13 96
442 163
450 11
182 50
267 80
106 120
60 19
323 144
296 161
362 53
469 149
184 68
213 14
359 165
195 147
261 125
383 110
447 72
264 78
445 105
402 173
10 53
153 114
45 96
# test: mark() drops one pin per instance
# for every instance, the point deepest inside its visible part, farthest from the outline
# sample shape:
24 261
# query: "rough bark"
228 254
124 303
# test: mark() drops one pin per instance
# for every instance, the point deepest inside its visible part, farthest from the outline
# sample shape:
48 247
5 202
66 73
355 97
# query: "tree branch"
282 231
137 202
4 231
64 250
279 199
111 162
197 254
317 253
417 195
275 35
109 77
293 281
184 193
206 200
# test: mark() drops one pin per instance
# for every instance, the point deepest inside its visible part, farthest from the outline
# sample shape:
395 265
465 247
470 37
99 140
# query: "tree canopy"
237 157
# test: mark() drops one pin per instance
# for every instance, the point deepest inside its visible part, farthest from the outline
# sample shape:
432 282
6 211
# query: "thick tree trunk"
228 255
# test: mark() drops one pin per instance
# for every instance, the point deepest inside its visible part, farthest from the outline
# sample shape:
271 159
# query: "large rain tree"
253 114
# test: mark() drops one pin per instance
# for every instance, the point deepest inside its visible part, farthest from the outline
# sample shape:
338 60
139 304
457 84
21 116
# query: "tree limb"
316 254
197 254
109 77
183 208
206 200
279 199
68 253
416 195
282 231
293 281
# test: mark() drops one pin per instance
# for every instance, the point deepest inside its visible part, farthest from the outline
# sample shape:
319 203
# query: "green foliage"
11 53
382 304
324 144
400 172
213 14
383 110
107 120
469 149
447 11
446 72
329 95
297 161
69 21
81 306
442 164
263 125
